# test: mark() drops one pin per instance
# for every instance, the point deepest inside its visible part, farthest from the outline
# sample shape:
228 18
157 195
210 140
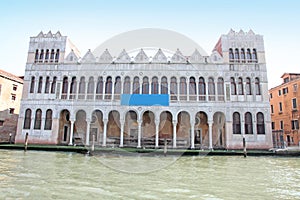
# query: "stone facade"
284 100
11 88
142 97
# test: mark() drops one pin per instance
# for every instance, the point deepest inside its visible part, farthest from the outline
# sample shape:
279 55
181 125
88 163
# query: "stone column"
122 132
104 132
187 89
206 91
95 89
103 89
32 122
216 90
197 89
85 89
139 133
156 133
112 90
69 88
174 133
192 133
159 86
71 132
77 88
87 137
210 134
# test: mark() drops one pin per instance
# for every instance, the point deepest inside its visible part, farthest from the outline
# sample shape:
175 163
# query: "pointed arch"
248 123
38 119
232 86
260 123
183 88
192 89
90 88
164 85
145 85
48 121
211 89
126 87
236 123
173 88
73 88
220 89
27 119
108 87
202 89
154 85
118 87
136 85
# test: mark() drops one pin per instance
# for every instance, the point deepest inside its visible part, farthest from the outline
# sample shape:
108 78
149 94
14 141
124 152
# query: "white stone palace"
141 94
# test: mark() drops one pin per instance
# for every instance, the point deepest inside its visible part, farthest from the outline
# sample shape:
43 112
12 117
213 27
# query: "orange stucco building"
285 113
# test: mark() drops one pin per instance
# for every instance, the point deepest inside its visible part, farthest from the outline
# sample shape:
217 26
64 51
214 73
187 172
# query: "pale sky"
88 23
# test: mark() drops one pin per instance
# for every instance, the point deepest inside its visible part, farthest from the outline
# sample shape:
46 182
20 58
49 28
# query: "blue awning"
145 99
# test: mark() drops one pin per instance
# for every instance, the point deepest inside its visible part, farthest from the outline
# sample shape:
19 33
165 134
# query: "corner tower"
49 48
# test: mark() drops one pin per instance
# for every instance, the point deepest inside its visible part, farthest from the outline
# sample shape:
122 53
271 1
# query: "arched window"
27 120
40 85
220 91
173 88
108 88
99 89
257 86
41 59
32 82
236 55
202 89
164 85
192 88
145 86
254 55
48 121
233 86
52 55
38 119
231 57
154 85
90 89
53 86
183 90
248 86
136 85
240 86
57 55
126 89
236 123
64 88
36 57
260 123
47 85
81 90
47 55
248 123
248 55
243 55
211 89
118 87
73 88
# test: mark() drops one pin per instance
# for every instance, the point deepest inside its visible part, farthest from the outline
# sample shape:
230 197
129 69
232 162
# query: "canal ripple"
57 175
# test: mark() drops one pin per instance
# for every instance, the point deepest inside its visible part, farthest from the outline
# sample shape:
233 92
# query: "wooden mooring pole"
26 142
244 146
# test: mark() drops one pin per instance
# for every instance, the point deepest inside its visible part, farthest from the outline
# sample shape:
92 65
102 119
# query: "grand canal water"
56 175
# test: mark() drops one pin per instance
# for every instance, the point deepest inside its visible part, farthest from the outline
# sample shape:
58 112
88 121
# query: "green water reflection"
53 175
